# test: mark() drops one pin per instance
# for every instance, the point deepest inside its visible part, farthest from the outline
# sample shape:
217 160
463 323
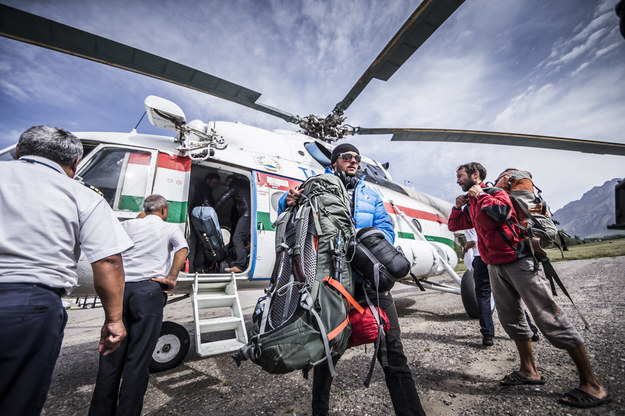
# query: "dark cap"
342 148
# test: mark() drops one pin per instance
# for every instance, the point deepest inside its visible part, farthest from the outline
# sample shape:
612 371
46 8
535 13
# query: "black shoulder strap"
551 274
417 282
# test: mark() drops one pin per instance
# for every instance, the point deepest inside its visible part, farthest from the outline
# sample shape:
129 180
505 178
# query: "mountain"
590 216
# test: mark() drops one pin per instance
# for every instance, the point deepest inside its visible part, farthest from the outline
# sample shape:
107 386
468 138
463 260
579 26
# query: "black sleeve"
224 197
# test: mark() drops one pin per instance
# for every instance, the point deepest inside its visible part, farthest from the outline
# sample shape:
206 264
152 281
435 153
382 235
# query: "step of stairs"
214 293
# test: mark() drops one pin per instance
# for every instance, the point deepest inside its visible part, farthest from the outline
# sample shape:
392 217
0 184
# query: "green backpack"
304 318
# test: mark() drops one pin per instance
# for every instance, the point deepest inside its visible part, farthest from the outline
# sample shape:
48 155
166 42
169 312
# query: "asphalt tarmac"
454 373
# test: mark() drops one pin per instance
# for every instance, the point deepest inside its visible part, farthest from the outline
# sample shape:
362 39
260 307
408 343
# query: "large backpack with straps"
537 229
304 318
534 218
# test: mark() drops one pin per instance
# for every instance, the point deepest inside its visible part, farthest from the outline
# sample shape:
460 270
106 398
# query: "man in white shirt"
46 220
482 288
150 274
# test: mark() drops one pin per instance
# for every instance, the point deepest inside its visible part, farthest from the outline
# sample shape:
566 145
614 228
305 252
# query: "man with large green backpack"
367 210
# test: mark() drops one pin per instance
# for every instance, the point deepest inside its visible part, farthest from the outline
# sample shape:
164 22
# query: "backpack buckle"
306 301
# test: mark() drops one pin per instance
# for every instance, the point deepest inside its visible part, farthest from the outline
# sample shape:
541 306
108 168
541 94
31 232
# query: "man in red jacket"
513 278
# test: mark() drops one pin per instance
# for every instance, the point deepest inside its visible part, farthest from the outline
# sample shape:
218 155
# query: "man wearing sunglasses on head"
367 210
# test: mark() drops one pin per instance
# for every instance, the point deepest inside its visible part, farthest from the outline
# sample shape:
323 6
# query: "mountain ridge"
590 215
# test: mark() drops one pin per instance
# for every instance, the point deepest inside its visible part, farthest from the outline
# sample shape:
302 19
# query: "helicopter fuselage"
127 167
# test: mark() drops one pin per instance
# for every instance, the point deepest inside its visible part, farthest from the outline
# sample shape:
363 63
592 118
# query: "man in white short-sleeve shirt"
47 219
482 287
150 274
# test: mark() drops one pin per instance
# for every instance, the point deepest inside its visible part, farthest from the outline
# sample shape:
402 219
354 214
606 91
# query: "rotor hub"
329 129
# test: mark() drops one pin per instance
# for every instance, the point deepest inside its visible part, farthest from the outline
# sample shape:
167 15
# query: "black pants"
483 295
241 232
143 316
32 320
398 376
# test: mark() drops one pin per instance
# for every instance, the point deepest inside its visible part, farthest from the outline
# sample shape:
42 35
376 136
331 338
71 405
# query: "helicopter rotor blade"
509 139
26 27
420 25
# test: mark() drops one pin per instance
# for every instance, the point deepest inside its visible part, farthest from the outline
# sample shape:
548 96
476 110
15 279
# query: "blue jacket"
369 209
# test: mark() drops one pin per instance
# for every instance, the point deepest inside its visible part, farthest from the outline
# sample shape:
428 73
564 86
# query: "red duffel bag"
365 329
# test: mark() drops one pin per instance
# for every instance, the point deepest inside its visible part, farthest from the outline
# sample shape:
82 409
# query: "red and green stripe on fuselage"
173 176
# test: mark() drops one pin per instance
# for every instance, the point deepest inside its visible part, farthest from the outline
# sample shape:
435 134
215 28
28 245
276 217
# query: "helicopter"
126 167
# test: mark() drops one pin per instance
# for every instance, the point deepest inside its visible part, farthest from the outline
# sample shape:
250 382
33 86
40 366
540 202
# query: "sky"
549 68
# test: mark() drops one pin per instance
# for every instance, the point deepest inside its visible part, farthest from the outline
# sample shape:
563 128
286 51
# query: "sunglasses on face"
348 157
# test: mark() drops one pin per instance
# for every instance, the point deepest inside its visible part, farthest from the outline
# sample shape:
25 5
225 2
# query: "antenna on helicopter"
141 119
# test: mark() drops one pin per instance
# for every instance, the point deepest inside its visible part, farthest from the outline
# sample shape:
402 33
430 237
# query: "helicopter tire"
171 348
467 293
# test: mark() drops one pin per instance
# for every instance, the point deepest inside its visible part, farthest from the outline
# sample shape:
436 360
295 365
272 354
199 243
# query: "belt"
149 280
13 285
58 290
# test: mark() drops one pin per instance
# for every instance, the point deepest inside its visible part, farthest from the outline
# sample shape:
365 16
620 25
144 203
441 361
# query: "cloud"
579 50
551 68
13 91
587 36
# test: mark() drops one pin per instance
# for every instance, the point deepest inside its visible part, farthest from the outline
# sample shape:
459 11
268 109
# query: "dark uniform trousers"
398 376
482 293
143 316
32 320
241 232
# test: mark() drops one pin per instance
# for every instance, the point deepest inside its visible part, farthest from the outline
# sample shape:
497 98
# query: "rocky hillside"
590 216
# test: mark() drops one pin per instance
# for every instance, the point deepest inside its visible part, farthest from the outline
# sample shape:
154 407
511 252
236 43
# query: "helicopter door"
268 189
124 175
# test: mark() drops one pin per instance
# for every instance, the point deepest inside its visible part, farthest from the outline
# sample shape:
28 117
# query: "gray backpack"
531 209
304 318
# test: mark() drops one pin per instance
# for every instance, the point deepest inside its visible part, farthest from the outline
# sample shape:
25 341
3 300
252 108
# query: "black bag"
206 226
374 258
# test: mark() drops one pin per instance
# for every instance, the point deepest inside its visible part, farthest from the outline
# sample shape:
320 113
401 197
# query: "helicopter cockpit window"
375 174
319 152
120 174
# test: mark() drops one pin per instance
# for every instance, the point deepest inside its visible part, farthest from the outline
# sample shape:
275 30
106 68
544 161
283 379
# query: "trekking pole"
414 229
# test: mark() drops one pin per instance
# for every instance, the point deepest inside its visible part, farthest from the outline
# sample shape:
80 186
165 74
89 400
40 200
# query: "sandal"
581 399
516 379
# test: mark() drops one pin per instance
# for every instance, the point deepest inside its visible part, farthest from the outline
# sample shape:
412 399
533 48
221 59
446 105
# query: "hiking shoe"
535 338
234 269
487 341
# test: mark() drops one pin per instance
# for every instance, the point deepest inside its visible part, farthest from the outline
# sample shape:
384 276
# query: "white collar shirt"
47 219
471 235
154 242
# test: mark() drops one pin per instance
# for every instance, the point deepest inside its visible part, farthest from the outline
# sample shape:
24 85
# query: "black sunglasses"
348 156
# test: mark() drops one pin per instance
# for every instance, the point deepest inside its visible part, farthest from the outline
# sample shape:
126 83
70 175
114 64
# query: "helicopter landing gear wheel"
467 293
171 348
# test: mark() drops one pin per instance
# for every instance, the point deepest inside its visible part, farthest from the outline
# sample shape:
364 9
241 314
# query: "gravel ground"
455 375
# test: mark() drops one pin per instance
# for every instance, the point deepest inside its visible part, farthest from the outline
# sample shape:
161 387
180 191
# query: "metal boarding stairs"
213 293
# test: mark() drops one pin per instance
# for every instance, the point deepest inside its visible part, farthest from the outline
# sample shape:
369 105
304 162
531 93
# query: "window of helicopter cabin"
417 224
120 174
